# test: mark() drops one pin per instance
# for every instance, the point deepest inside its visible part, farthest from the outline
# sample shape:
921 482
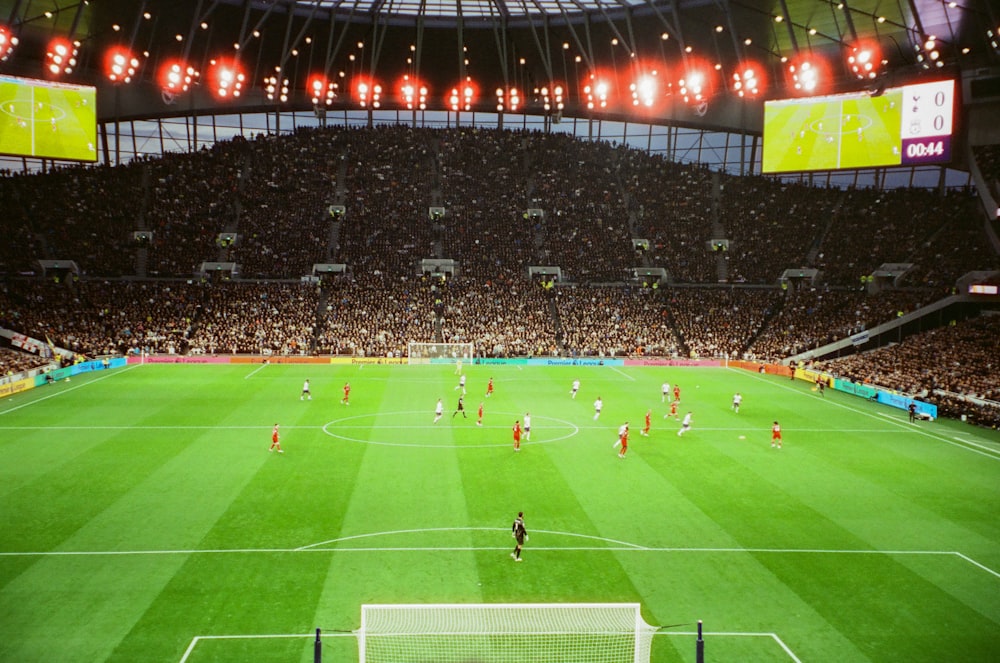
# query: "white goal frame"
438 353
503 632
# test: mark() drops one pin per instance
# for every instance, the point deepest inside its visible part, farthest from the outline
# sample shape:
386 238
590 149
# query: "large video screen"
904 126
47 120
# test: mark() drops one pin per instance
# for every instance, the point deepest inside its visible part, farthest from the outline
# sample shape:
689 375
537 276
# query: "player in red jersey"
673 411
677 392
776 435
347 394
623 440
489 388
645 428
517 435
275 444
479 415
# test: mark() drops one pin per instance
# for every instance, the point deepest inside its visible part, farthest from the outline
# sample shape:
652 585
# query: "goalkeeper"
520 535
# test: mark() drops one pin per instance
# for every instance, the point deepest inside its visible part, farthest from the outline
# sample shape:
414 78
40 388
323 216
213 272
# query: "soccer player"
479 415
598 404
912 410
517 435
346 400
527 426
438 411
460 408
489 388
737 399
461 384
623 440
677 392
673 411
665 392
776 435
305 391
646 426
685 425
576 388
275 444
821 386
520 535
458 366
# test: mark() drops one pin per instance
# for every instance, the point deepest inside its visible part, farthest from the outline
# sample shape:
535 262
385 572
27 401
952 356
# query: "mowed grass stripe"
326 489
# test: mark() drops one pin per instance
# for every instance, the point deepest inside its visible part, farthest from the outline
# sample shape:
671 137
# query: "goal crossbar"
490 632
438 353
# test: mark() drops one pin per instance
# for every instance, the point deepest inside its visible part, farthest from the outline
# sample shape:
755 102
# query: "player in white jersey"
598 404
685 425
438 411
461 384
737 399
527 426
305 391
576 388
665 392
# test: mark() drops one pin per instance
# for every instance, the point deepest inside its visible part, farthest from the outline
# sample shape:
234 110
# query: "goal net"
438 353
501 633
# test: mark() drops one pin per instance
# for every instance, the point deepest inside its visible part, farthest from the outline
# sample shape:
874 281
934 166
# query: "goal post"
503 632
438 353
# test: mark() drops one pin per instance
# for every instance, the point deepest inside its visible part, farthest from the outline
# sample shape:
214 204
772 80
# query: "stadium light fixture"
368 93
227 78
696 83
462 96
120 65
176 76
597 92
551 97
645 91
749 80
807 75
413 93
321 90
865 60
508 99
276 89
929 53
60 56
8 42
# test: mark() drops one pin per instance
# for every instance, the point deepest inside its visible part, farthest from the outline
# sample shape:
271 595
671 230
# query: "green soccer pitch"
143 518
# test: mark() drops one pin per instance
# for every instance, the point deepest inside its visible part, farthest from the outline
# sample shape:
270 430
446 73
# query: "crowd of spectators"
811 317
721 322
13 362
944 366
615 322
269 318
595 198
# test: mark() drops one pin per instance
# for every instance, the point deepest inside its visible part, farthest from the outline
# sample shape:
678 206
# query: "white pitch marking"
67 390
621 372
254 372
993 455
737 634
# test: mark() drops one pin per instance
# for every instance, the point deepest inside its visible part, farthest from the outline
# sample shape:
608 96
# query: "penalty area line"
257 636
737 634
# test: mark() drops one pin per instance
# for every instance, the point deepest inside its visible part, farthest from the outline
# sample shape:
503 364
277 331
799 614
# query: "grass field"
39 119
143 518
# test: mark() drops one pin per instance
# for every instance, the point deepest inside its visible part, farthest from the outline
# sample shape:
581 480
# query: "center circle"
407 420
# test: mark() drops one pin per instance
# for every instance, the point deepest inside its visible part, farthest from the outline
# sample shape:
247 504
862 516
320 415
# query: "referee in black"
520 535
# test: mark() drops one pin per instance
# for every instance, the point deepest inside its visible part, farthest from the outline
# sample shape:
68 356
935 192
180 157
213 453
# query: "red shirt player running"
776 435
274 440
677 392
479 415
673 410
645 429
489 388
347 394
624 440
517 435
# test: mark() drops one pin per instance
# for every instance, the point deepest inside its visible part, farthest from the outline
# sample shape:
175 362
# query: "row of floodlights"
695 83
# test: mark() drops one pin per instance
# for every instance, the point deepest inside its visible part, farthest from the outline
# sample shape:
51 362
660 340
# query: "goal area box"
500 633
438 353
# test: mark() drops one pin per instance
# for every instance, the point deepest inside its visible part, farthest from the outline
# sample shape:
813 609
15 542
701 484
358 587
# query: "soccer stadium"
646 331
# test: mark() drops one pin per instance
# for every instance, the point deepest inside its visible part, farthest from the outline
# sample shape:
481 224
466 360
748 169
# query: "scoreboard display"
47 120
907 125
